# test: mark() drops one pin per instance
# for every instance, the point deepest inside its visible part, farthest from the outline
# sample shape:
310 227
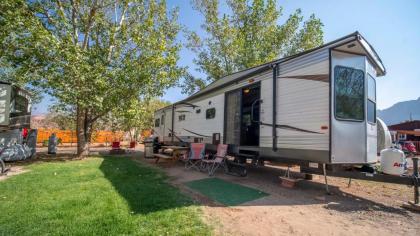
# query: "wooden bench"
158 156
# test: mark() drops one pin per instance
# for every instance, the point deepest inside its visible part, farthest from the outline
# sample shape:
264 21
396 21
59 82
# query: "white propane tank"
393 161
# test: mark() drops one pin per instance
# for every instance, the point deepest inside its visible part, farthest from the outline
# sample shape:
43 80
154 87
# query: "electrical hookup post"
415 205
52 144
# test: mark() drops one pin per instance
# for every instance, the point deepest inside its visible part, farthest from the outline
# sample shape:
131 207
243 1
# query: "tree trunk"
81 133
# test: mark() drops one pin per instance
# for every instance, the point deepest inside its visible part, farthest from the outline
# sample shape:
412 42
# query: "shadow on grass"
145 189
43 157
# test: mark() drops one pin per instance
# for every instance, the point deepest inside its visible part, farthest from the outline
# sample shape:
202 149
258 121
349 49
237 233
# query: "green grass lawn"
95 196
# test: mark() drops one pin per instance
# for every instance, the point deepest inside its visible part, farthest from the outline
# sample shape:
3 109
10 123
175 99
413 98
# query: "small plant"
45 143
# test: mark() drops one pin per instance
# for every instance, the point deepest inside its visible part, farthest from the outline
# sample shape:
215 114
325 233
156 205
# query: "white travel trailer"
316 106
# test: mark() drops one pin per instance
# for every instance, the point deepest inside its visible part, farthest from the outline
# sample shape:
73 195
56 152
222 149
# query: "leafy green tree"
136 117
250 35
94 55
16 25
63 117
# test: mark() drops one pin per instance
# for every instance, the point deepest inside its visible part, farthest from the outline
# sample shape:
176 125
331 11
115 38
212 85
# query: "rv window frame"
17 94
183 117
157 122
335 95
207 113
374 112
370 100
374 83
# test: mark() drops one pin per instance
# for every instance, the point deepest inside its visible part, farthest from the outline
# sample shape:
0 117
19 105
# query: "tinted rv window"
349 93
181 117
371 101
19 103
157 122
371 88
162 120
210 113
371 111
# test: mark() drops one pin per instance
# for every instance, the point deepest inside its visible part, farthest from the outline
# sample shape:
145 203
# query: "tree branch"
95 118
89 25
74 14
60 7
117 28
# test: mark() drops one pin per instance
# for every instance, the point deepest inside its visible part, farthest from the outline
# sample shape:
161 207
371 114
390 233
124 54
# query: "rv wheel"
244 172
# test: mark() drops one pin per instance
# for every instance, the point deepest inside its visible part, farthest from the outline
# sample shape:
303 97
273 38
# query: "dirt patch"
364 208
14 170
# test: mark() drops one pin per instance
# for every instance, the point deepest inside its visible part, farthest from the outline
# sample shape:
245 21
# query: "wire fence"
69 136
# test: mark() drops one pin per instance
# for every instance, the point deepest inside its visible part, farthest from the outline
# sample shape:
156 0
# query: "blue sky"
392 27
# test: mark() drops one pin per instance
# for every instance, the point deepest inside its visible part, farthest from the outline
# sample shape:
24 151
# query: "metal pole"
416 180
274 128
324 168
173 124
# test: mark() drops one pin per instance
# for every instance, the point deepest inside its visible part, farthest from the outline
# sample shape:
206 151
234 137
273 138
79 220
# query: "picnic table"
170 153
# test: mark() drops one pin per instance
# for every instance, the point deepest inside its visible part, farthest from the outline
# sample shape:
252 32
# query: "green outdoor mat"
225 192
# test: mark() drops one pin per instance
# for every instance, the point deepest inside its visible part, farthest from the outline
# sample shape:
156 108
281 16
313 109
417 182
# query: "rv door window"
349 93
157 122
162 120
210 113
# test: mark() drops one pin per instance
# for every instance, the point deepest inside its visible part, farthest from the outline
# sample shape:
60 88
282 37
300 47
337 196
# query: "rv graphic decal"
322 77
291 128
202 135
173 133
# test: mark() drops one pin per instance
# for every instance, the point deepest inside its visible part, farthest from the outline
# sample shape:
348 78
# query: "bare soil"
14 170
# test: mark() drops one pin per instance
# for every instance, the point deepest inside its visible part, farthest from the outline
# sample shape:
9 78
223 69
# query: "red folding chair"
116 145
132 146
195 156
218 160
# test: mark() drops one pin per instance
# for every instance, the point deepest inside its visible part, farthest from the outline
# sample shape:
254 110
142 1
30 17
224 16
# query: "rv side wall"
167 127
195 125
302 106
302 109
158 126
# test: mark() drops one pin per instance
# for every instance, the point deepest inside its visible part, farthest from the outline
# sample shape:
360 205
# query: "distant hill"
400 112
